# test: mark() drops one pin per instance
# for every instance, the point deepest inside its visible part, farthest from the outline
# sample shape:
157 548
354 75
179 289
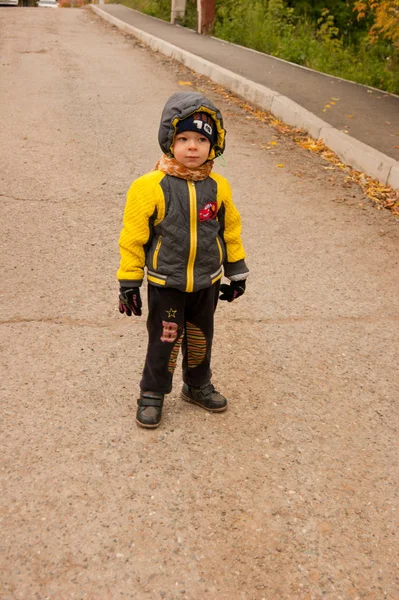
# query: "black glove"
233 290
130 301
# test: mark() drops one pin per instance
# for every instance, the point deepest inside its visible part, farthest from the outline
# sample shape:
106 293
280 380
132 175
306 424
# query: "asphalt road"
291 493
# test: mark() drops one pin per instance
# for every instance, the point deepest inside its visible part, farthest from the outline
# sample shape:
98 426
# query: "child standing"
181 224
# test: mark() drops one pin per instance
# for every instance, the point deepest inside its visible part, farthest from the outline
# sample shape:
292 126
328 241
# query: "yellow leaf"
272 143
327 106
184 82
335 99
332 102
349 116
312 145
280 165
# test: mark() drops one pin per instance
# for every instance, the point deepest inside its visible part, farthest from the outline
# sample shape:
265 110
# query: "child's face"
191 149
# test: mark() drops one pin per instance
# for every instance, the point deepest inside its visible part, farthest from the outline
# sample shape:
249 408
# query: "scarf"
170 166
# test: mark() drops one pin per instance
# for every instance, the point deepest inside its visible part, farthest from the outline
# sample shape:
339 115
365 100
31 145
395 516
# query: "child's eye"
203 139
181 138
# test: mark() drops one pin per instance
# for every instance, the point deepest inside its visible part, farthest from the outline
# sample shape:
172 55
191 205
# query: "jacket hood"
182 105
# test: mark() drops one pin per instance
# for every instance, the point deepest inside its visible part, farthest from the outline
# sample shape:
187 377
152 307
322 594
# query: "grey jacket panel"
169 250
236 268
130 283
181 105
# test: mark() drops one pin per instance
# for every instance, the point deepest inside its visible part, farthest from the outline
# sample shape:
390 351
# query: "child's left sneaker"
205 396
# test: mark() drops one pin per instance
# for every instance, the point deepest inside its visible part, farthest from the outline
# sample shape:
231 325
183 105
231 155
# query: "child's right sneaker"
149 411
205 396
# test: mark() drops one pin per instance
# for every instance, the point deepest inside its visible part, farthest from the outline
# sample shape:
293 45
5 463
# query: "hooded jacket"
186 233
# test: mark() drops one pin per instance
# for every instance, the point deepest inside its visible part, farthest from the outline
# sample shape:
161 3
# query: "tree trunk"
205 16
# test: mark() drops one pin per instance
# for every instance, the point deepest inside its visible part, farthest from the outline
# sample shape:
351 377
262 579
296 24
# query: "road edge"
351 151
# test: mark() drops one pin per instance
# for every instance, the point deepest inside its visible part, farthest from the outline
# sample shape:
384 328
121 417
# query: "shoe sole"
147 426
191 401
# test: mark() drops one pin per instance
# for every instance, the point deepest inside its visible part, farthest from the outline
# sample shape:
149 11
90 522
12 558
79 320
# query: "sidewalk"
360 124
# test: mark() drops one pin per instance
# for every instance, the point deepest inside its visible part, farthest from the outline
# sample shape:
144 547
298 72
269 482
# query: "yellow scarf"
170 166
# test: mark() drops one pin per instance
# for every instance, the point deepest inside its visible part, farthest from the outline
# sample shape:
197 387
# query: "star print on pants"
171 313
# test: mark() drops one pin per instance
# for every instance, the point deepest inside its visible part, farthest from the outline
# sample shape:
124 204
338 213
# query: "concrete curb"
351 151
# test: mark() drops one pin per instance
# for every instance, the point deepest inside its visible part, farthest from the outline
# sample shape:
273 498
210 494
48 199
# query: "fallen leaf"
272 143
280 165
349 116
335 99
327 106
332 102
185 83
311 144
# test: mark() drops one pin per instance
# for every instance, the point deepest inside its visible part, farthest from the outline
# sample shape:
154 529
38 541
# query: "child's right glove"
232 291
130 301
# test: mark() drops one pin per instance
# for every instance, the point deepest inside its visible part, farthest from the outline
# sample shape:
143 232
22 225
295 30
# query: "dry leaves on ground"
383 196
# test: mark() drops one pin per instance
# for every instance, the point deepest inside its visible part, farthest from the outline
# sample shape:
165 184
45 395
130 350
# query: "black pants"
179 319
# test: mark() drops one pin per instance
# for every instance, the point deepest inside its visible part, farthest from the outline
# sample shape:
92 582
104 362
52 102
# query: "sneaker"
206 397
149 410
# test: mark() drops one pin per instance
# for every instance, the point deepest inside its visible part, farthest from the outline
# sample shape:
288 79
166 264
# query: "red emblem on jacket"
208 212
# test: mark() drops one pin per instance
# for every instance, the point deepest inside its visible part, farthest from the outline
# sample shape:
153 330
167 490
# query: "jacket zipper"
220 250
156 252
193 236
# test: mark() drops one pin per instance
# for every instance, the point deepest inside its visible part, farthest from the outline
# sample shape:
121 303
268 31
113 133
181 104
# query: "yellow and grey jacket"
186 233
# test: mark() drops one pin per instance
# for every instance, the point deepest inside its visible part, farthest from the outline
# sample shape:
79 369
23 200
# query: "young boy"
181 224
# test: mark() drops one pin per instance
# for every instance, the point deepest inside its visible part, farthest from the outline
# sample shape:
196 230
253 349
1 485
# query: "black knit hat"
200 122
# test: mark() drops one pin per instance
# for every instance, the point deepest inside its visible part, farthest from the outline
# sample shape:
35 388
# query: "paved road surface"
291 493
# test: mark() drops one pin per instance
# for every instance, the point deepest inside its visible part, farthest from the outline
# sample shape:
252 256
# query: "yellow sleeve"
144 201
232 220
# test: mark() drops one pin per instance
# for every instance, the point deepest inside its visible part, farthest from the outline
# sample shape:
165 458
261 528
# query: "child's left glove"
130 301
232 291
